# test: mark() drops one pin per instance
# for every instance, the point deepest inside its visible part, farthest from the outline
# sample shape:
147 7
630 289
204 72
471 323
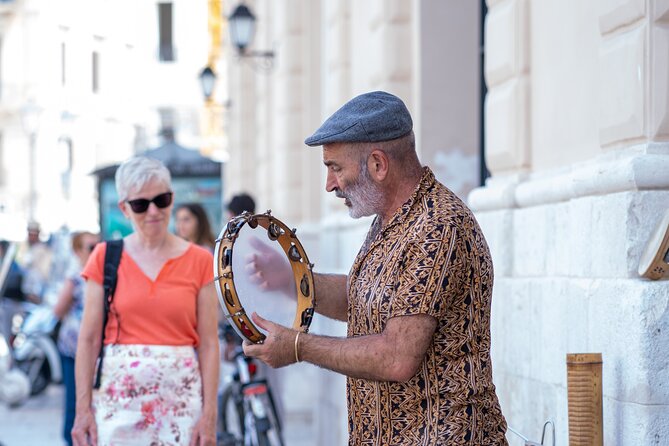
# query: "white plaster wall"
567 223
566 248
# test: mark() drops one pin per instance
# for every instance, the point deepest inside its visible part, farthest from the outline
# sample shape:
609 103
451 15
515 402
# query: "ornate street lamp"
207 81
242 25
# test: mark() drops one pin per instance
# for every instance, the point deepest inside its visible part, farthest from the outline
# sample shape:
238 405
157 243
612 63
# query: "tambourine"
264 237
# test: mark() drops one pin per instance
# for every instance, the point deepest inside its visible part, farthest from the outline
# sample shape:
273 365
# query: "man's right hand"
269 269
84 430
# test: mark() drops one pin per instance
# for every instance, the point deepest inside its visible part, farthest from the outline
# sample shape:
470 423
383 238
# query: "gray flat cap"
370 117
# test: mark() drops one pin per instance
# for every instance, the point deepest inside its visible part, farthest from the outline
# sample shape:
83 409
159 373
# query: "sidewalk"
38 422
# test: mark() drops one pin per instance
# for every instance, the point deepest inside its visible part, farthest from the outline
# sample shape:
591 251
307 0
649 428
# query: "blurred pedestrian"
192 224
35 259
239 203
69 309
160 371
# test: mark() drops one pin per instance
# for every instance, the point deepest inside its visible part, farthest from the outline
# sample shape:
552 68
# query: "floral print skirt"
149 395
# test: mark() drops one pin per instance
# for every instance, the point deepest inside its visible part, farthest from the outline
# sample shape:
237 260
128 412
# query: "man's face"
33 236
348 177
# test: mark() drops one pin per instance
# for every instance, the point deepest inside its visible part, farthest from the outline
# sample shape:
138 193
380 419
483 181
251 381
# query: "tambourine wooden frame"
224 276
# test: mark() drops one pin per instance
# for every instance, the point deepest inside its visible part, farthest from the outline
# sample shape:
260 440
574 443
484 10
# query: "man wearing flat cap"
416 300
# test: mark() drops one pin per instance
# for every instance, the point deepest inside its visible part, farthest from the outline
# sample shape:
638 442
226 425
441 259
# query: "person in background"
192 224
34 257
69 309
159 377
240 203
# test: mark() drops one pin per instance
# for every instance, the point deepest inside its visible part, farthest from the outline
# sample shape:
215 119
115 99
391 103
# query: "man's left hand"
278 348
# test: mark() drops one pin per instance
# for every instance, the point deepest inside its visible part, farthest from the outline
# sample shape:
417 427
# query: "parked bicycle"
247 411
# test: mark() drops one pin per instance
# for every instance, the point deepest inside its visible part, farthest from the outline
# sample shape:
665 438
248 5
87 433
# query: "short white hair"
134 173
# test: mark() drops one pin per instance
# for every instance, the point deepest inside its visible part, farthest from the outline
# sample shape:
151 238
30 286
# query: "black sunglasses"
142 204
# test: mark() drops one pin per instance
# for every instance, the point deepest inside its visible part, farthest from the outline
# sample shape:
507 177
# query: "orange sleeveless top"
160 312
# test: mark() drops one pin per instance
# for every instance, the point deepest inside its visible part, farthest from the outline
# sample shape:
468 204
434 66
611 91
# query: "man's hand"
278 348
269 269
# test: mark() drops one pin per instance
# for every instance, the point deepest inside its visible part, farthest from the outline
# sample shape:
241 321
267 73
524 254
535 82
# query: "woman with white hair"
160 370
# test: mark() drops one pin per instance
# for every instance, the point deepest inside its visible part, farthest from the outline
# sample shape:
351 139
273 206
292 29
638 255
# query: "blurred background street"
38 422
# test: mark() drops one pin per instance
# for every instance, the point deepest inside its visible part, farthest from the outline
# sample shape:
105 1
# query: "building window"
62 63
96 72
166 46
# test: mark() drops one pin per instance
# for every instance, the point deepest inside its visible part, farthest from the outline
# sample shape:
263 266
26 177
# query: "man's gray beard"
365 196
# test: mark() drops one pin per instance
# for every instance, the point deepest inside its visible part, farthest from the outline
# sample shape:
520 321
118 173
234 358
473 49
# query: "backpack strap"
112 260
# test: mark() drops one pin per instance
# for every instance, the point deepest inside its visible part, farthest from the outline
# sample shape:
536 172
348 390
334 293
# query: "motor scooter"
34 347
14 384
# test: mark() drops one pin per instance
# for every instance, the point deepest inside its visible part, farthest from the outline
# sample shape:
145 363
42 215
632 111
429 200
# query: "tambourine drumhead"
282 293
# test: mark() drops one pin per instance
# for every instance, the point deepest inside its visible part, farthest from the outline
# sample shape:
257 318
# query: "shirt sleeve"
93 268
427 281
205 266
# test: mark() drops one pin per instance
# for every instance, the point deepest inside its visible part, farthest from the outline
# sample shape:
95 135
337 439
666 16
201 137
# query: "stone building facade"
576 131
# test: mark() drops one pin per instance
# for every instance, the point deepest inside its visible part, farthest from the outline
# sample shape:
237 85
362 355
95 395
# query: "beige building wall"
326 52
577 142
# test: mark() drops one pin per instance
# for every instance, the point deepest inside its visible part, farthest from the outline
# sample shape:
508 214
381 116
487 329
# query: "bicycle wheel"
262 423
231 412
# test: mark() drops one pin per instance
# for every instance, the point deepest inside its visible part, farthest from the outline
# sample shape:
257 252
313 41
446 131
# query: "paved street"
37 423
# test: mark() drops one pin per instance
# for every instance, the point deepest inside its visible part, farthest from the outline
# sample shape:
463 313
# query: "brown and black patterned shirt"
431 258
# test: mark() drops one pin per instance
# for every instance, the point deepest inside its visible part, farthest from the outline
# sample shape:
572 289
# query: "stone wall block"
286 101
527 405
397 11
661 11
632 342
659 119
622 87
532 228
561 309
291 53
497 227
559 253
616 13
507 136
634 424
507 42
335 12
513 320
396 51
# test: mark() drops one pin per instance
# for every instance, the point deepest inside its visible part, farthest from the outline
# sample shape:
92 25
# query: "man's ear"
378 164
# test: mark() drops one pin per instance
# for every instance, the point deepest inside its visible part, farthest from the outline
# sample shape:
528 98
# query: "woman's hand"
204 432
84 430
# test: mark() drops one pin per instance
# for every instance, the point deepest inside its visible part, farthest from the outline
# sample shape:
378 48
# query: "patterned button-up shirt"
430 258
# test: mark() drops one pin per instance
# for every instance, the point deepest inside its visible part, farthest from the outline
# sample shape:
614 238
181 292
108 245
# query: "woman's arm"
65 299
88 347
209 358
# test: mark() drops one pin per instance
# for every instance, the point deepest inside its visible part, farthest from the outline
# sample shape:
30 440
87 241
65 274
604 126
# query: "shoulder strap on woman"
112 260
